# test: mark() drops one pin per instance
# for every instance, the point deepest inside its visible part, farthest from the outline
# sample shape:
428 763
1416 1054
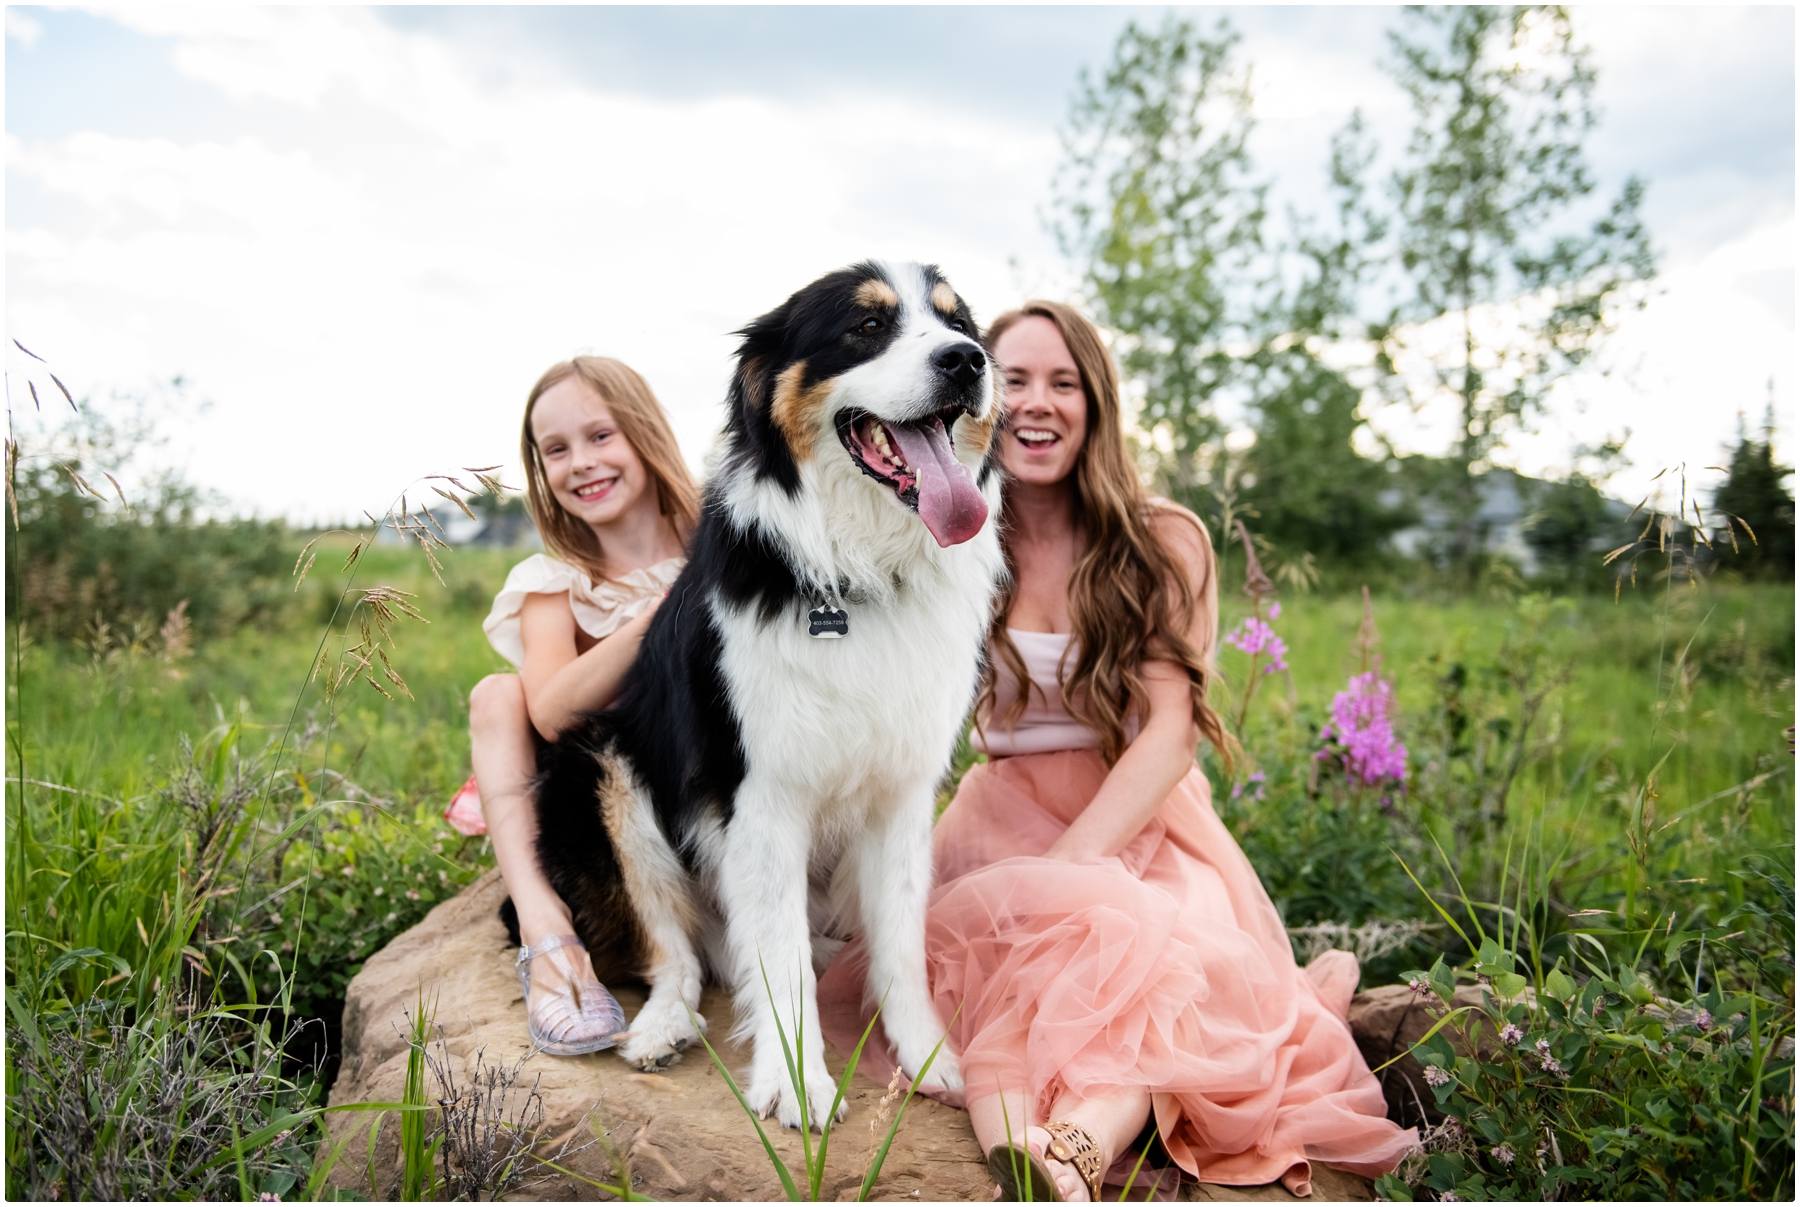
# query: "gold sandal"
1075 1145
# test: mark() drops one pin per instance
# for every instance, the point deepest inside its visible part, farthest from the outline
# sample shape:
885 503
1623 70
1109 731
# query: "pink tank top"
1045 724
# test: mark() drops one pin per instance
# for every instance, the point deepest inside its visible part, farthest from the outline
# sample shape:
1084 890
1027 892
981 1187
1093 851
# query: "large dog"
769 768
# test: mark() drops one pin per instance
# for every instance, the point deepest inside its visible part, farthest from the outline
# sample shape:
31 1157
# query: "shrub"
80 556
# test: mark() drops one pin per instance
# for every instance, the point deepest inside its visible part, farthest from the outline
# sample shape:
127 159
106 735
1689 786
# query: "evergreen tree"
1754 493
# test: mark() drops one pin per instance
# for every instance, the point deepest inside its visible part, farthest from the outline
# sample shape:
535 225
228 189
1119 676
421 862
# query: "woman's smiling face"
591 468
1047 410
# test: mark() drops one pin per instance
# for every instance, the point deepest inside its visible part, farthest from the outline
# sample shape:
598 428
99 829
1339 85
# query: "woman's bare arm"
1163 751
560 682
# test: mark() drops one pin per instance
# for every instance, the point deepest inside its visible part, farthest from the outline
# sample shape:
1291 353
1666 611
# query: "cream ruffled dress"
600 609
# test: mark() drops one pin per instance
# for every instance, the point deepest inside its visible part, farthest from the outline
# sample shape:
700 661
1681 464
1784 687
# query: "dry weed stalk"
1373 939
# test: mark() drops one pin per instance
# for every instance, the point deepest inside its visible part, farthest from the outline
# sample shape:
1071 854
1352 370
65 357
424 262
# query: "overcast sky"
361 234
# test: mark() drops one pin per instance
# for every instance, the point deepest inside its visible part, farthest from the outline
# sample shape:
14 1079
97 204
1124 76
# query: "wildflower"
1502 1154
1554 1067
1253 637
1420 989
1543 1049
275 919
268 1196
1448 1197
1510 1034
1362 728
286 946
1704 1021
390 917
1435 1076
412 894
1275 610
379 890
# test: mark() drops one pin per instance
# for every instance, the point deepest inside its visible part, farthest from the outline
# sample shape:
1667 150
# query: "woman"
1105 952
614 504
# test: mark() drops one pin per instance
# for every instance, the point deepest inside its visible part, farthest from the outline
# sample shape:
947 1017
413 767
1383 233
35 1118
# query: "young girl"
614 504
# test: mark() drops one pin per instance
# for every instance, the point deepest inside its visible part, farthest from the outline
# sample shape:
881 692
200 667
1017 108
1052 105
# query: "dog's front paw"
772 1093
945 1073
659 1034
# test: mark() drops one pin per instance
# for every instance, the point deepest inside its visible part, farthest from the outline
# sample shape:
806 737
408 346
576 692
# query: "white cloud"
369 301
21 28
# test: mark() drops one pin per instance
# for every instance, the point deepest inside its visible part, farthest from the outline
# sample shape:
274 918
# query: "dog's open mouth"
915 461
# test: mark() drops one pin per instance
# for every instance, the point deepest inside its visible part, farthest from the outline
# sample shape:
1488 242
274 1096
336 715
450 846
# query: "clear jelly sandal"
577 1017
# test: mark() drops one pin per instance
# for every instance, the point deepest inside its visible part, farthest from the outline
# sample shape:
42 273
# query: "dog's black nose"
961 363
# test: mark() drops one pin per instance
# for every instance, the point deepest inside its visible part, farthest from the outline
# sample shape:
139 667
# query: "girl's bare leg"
505 758
1113 1117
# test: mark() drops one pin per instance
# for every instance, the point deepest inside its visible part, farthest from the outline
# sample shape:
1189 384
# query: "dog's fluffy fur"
754 787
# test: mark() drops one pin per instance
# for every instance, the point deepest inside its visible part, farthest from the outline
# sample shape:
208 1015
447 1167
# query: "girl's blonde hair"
644 424
1129 601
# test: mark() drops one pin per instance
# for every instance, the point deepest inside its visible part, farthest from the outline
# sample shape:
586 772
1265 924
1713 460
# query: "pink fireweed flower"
1362 727
1254 637
1275 610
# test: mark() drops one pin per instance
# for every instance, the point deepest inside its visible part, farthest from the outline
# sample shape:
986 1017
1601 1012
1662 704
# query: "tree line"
1476 269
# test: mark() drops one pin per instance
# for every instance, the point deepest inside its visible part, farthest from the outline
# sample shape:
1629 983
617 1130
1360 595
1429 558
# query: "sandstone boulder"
1388 1020
684 1135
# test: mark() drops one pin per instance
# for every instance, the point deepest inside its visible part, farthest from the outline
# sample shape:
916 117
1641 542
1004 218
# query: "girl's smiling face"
1046 408
592 470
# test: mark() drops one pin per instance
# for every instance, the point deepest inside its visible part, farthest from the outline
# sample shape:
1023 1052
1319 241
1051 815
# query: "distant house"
505 526
1510 507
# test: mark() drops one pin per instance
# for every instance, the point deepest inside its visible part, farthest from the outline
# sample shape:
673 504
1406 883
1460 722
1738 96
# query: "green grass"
1655 776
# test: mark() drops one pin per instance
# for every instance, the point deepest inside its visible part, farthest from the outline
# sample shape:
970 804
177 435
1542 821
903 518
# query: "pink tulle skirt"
1164 967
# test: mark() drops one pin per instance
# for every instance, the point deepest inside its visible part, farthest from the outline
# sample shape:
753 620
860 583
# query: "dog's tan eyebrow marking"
793 409
944 297
875 294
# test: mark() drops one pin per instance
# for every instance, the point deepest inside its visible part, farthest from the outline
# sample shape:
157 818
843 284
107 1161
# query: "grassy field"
217 819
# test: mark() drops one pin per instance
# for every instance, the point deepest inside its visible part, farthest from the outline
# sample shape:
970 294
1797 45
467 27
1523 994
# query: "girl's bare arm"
560 682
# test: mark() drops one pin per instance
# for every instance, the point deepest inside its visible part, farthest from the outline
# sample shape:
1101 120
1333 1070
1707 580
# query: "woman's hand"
560 682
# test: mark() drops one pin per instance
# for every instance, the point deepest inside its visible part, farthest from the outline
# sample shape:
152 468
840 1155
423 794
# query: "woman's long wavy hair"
644 423
1129 601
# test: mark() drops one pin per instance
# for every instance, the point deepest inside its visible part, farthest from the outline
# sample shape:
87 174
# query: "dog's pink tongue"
948 501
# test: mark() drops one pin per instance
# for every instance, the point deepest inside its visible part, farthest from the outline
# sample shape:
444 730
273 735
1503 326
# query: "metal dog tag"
828 623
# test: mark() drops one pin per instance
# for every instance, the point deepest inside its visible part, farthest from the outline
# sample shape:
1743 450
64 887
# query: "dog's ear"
755 443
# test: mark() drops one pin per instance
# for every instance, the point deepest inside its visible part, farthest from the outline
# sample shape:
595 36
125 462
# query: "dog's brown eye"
958 326
870 325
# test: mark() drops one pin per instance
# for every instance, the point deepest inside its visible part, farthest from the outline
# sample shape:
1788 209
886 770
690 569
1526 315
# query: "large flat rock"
686 1135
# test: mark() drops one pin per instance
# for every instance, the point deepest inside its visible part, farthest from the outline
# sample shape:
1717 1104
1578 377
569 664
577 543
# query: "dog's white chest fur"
855 720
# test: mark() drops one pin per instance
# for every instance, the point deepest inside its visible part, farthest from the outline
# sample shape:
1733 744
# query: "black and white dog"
769 768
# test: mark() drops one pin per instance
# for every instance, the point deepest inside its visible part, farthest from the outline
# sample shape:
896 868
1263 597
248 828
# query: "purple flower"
1502 1154
1255 637
1554 1066
1362 729
1543 1048
1510 1034
1704 1021
1435 1076
1275 610
1419 988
